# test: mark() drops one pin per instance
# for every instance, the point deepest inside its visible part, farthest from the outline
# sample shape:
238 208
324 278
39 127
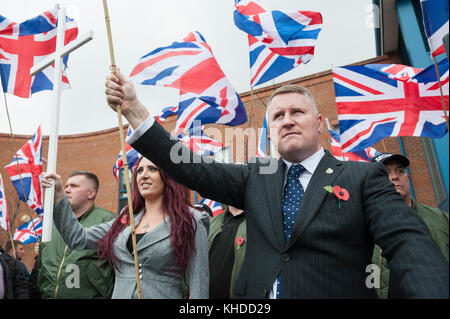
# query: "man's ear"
92 193
320 123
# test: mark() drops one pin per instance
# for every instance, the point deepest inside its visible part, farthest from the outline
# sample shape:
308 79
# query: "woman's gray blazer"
155 257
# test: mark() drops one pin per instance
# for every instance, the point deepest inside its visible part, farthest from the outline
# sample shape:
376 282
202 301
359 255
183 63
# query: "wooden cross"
57 58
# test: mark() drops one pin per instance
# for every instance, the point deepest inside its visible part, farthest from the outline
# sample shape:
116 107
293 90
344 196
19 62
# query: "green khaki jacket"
239 245
65 273
437 222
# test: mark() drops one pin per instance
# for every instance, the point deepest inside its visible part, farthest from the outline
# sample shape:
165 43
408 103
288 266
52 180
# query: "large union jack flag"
24 45
132 157
4 216
435 20
373 104
29 232
25 172
278 40
205 92
357 156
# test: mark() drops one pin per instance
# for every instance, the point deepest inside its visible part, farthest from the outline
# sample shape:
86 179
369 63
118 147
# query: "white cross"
57 58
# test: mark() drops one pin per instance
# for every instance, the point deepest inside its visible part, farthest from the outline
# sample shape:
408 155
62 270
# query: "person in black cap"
436 220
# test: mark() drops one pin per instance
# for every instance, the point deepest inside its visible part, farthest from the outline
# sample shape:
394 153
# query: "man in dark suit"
318 243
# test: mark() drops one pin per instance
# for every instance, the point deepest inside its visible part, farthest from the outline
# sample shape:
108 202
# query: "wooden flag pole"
12 241
442 93
124 154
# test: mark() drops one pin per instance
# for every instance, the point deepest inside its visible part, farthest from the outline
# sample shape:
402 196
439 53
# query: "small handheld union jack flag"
27 232
132 157
357 156
25 172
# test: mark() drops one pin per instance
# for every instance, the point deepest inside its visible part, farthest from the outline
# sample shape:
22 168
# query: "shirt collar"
310 163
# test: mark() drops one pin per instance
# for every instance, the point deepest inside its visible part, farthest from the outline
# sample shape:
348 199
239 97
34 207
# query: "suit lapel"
274 192
157 234
315 194
125 234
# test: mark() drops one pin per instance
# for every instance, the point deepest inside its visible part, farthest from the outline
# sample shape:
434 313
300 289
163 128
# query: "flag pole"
124 154
252 104
442 93
384 146
12 241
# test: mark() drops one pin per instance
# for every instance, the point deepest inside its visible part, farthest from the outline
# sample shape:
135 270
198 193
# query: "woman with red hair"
172 243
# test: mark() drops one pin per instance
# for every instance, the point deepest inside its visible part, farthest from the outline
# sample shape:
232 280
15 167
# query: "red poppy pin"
239 241
339 192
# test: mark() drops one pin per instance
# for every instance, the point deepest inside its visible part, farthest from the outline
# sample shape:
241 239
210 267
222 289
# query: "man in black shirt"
227 241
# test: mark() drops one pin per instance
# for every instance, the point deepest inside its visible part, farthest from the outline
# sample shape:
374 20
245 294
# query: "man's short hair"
90 176
294 88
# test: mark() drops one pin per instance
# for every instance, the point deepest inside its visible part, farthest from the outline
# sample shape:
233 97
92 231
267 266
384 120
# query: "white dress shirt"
310 165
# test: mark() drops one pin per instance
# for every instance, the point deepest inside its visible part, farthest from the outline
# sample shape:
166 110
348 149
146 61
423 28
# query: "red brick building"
97 151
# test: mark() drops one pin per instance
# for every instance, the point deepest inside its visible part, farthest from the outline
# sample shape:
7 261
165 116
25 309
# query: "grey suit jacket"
330 247
155 256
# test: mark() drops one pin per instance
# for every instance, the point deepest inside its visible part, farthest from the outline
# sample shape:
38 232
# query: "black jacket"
332 240
13 277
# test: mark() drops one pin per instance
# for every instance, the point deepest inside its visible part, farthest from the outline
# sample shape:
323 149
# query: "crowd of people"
309 229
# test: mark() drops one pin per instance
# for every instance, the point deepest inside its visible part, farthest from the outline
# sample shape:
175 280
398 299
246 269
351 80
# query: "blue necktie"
290 204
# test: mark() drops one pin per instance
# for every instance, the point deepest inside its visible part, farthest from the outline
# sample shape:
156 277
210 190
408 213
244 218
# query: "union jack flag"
215 207
25 172
4 216
29 232
200 143
435 21
357 156
262 144
166 112
132 157
24 45
372 105
278 40
190 66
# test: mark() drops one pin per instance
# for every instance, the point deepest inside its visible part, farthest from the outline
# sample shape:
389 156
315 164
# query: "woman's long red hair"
176 204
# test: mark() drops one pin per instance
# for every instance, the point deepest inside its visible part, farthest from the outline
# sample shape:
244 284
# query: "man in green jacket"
436 220
66 273
227 243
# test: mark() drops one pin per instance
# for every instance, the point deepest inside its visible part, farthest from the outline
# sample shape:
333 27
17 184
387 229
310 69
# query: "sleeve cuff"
141 130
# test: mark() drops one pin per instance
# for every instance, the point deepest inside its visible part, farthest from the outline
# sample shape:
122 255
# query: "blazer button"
285 257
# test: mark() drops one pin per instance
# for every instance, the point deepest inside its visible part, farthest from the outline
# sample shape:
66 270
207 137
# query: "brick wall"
98 151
